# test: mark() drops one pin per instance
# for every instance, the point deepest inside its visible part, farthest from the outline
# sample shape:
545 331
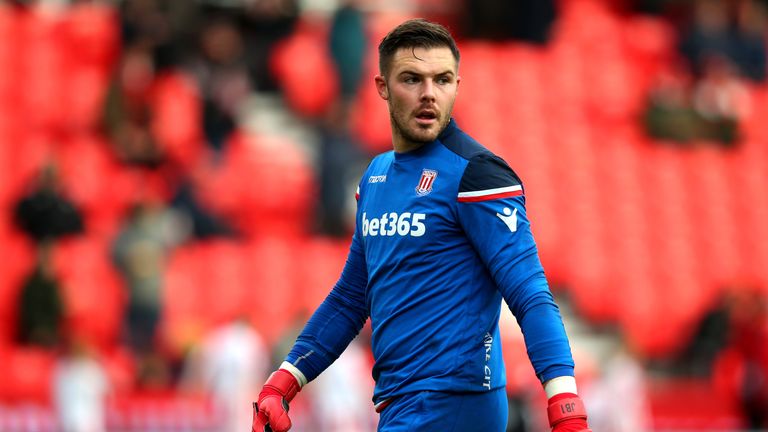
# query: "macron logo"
509 218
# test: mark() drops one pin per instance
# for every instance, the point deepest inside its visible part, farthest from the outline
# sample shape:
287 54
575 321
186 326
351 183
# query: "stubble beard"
415 139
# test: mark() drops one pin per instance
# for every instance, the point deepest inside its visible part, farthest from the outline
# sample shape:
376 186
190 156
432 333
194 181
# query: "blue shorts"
430 411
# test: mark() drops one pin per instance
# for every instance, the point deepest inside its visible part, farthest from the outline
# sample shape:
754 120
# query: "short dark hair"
415 33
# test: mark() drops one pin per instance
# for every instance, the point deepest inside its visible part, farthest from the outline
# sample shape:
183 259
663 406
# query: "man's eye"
443 80
410 80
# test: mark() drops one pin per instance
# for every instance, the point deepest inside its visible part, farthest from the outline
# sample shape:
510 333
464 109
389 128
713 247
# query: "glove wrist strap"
562 407
284 383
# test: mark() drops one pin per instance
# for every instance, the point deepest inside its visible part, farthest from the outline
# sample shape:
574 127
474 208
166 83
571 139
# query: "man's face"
420 88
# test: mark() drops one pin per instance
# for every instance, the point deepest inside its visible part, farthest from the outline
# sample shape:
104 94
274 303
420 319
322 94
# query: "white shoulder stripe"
485 192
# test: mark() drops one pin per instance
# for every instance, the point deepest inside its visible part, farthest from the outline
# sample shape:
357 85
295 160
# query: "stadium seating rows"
642 233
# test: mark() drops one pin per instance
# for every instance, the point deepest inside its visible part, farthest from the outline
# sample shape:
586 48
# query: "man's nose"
428 91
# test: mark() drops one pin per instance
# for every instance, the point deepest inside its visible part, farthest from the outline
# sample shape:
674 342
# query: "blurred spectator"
80 389
229 363
166 28
709 109
341 396
40 306
668 114
341 163
266 23
139 252
45 213
710 336
221 71
203 223
734 30
522 383
749 335
341 158
621 375
499 20
348 42
128 114
720 100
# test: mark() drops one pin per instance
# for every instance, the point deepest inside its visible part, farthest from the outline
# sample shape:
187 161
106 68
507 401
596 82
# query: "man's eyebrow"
411 72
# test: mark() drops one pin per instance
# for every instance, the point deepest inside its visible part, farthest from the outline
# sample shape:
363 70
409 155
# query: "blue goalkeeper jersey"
441 236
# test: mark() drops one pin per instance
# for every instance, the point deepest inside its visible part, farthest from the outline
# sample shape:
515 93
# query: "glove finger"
276 414
260 421
261 425
280 422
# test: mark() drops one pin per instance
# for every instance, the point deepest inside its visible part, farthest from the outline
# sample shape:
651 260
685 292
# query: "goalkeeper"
441 237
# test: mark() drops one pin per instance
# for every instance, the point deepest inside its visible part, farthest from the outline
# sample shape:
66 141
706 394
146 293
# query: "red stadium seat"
92 291
84 96
223 281
308 97
265 185
272 299
210 283
705 407
93 35
94 181
322 260
369 115
177 118
715 226
27 375
183 319
748 170
18 262
43 68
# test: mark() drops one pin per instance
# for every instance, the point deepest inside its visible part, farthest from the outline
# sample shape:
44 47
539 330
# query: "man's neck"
404 146
401 144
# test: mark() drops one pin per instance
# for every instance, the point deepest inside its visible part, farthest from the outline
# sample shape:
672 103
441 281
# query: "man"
441 237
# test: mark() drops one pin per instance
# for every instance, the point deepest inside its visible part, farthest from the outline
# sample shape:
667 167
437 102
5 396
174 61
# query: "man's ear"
381 87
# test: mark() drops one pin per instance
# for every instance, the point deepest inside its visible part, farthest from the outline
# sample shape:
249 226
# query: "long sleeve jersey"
441 236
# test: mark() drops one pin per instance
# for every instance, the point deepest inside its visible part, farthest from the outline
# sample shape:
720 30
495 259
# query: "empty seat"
177 118
274 304
92 35
183 318
28 373
265 185
322 260
308 97
92 291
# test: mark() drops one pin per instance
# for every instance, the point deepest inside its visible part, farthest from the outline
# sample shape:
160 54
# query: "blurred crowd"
193 117
703 96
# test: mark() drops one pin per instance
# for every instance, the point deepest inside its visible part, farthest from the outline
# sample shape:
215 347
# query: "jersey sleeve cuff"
561 384
302 380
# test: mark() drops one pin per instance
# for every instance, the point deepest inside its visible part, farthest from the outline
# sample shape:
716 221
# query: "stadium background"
197 161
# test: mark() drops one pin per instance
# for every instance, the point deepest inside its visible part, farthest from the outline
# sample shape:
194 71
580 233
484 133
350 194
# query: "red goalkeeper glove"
271 411
567 413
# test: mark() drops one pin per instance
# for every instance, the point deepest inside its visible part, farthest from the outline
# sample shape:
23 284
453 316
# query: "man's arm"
327 333
491 209
336 321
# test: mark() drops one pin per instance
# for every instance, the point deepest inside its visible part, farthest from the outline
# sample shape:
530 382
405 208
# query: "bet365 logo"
391 224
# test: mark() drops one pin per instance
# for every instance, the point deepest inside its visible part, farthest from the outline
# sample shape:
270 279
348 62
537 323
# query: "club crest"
425 183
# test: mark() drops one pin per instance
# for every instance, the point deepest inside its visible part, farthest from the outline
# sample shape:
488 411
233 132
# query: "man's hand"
271 411
566 413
